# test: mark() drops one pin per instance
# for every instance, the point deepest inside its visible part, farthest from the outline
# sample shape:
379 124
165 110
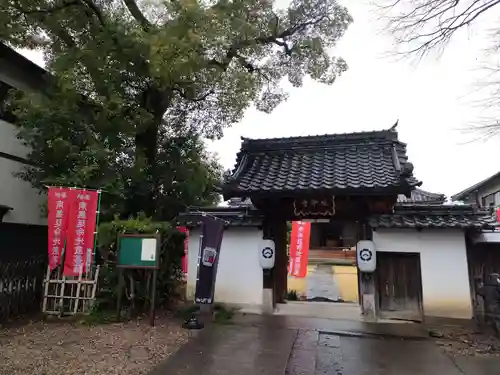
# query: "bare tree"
422 27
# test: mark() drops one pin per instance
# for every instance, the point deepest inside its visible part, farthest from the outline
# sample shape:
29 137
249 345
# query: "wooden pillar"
367 284
275 280
280 275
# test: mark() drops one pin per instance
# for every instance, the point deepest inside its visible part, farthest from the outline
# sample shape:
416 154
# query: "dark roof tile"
419 196
435 216
233 216
355 162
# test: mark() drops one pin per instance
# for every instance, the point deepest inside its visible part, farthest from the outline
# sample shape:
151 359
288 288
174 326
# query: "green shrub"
138 283
222 314
187 312
292 295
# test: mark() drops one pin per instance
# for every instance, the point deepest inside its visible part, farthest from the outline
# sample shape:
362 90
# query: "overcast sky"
428 100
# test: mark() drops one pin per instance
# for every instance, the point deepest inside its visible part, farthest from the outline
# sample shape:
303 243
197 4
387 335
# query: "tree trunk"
144 187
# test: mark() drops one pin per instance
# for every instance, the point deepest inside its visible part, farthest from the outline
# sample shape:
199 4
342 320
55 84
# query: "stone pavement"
321 353
342 326
478 365
257 345
232 350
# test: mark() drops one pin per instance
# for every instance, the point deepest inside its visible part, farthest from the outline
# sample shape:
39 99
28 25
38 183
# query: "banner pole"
98 213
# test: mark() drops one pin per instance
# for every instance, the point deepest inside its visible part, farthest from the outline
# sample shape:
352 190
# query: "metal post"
120 292
153 300
98 213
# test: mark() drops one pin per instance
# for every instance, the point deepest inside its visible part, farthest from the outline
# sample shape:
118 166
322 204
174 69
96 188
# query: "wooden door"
482 259
399 286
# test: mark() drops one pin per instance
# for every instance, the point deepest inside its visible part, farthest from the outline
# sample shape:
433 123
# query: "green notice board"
139 250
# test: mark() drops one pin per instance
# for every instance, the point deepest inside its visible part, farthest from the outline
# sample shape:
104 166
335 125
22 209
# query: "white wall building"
443 267
422 265
19 202
422 260
239 275
239 279
485 193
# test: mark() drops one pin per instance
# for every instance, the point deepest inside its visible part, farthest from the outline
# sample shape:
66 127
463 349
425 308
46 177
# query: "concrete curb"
372 335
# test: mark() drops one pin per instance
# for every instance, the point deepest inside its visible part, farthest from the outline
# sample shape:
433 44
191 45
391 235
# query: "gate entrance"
338 180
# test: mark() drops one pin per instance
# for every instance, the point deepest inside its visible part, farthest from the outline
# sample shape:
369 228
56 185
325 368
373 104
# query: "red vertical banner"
299 248
185 257
59 203
81 232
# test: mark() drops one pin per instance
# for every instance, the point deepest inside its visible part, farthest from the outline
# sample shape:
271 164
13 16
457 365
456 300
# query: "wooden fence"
23 261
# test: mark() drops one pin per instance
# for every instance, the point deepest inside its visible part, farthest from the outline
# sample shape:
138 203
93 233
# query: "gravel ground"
460 341
58 348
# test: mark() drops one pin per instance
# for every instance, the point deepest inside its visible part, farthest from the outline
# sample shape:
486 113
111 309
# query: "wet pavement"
299 346
232 350
322 353
342 327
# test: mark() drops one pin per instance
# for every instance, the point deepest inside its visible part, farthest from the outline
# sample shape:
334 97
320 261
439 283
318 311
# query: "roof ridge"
434 209
430 192
428 217
288 147
385 132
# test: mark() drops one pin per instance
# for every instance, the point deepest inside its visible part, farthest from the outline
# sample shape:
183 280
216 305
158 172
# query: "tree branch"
421 27
88 4
95 9
137 14
278 39
429 24
60 32
200 98
41 14
48 11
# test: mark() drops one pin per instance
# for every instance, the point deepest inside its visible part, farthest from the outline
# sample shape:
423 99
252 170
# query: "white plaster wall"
9 142
239 275
443 262
14 192
490 188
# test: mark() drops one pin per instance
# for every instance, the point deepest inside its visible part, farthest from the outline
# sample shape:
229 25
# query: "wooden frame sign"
139 251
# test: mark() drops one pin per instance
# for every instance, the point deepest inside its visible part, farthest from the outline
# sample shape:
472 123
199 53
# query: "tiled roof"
419 196
240 202
368 162
234 216
465 193
435 216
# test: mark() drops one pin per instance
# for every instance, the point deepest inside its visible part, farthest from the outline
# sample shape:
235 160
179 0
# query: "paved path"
232 350
276 346
321 353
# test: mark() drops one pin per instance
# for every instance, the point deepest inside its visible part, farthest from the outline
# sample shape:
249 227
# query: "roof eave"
464 193
30 73
233 216
228 192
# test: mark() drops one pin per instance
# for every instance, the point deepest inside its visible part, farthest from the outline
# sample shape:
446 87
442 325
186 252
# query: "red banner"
185 257
81 232
299 248
59 202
